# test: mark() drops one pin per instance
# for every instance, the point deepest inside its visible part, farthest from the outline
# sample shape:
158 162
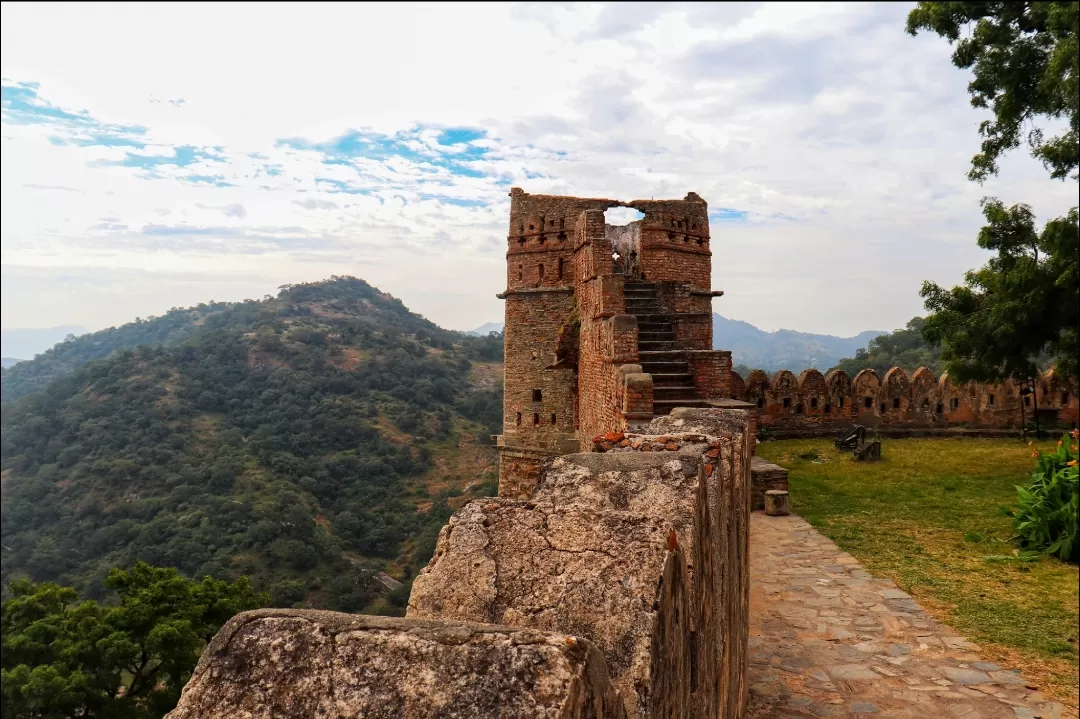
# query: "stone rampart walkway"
829 640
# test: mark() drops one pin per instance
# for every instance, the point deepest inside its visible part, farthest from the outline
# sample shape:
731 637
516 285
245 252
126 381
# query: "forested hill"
307 441
904 348
171 328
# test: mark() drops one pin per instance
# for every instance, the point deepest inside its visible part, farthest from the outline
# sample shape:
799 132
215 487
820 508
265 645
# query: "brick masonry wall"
519 471
899 401
559 268
538 402
712 373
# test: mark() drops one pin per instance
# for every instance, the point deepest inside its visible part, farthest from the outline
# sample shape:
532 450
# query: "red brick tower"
605 325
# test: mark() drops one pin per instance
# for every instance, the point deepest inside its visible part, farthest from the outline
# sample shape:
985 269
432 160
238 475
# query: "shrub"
1047 510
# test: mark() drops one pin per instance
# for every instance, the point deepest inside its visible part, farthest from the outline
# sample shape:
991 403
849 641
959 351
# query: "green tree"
1024 60
906 348
65 658
1024 302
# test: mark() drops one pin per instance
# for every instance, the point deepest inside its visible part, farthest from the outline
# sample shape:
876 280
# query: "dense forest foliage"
126 659
285 439
172 328
904 348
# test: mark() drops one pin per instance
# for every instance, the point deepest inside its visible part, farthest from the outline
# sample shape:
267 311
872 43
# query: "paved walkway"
829 640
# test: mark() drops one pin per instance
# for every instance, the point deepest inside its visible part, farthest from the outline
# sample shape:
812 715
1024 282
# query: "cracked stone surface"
604 575
827 639
304 664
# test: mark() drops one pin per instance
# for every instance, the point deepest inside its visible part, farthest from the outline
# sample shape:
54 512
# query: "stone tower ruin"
606 326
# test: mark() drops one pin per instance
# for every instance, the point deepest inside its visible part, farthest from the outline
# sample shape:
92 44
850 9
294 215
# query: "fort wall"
897 401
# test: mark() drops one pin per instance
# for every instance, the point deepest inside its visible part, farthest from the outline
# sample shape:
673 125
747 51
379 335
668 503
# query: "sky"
162 155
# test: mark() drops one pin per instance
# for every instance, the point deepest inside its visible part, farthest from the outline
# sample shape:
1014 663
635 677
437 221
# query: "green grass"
927 517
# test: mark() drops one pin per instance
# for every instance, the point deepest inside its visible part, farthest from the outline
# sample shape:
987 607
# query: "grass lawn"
927 517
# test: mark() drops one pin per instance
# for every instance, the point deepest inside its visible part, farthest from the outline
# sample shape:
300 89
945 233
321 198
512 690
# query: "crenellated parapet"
920 400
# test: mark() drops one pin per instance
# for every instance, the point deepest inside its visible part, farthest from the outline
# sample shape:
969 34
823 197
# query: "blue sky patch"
21 105
456 201
454 149
215 180
328 184
176 231
727 214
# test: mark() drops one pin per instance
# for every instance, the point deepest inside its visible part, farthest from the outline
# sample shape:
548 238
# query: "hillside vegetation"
63 358
905 348
301 440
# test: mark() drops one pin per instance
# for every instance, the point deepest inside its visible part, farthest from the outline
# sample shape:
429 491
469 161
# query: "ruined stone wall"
619 588
608 338
306 664
675 241
899 401
642 550
538 401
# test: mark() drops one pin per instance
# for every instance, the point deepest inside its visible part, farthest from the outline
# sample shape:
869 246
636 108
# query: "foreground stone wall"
296 664
618 588
813 401
641 549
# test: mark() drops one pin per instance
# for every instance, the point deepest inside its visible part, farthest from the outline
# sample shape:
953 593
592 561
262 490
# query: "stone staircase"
658 352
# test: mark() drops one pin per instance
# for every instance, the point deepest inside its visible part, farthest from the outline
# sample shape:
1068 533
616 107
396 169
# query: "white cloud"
253 149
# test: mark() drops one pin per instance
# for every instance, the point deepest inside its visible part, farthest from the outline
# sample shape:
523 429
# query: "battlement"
921 401
671 241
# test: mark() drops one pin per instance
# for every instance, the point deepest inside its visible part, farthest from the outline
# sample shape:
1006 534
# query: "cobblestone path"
829 640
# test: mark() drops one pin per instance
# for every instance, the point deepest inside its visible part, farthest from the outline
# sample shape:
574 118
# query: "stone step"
655 346
655 328
673 393
665 368
664 406
661 356
663 335
671 379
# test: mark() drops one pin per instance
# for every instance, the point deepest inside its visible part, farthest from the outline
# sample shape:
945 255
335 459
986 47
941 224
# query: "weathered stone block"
669 486
301 664
763 477
615 578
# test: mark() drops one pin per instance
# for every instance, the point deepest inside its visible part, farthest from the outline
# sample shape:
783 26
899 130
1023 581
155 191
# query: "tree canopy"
905 348
1024 59
63 657
1025 302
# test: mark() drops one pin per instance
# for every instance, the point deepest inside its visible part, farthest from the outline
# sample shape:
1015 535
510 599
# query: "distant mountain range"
485 329
28 343
770 351
784 349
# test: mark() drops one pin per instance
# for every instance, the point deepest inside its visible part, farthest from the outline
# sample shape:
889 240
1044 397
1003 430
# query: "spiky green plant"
1045 517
